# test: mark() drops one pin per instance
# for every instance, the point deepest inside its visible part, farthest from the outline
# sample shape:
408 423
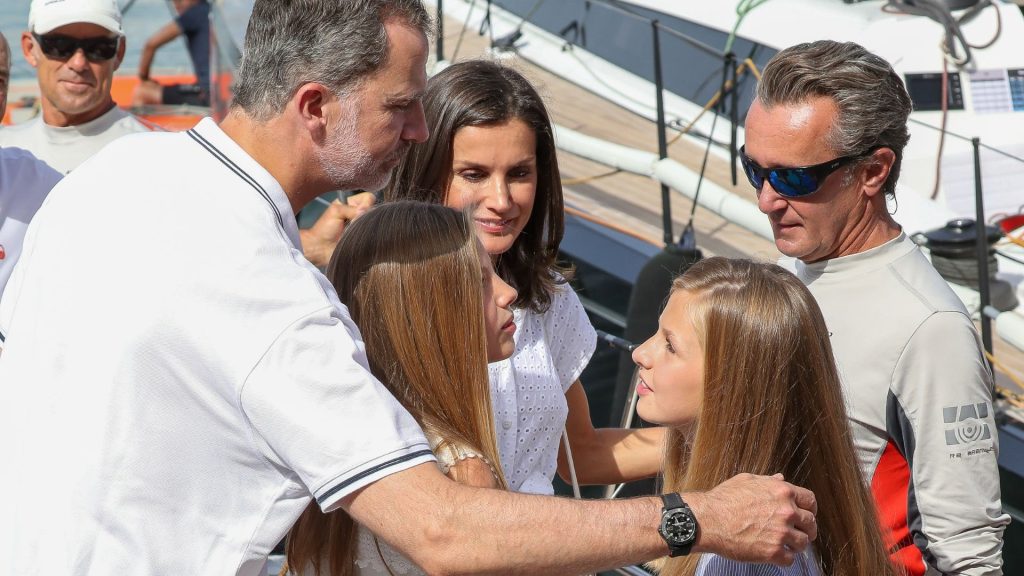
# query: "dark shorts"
191 94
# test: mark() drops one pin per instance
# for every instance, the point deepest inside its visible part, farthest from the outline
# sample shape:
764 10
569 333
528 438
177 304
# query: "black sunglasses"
61 47
795 182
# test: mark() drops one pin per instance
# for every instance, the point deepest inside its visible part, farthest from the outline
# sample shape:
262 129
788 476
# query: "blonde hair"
409 273
773 403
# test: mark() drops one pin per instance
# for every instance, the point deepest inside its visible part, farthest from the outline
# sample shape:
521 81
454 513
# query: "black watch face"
678 527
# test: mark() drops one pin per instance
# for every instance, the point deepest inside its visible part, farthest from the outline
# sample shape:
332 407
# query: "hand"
755 519
319 240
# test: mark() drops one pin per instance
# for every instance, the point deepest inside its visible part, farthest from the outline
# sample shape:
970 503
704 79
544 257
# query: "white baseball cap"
47 15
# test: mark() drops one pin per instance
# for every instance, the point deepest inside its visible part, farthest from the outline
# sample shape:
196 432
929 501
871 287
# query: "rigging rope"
940 12
742 9
747 65
462 33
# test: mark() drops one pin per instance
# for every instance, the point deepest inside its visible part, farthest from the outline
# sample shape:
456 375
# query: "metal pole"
666 204
981 246
440 30
734 111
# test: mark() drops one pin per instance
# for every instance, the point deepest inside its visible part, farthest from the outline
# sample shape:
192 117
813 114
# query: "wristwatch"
678 525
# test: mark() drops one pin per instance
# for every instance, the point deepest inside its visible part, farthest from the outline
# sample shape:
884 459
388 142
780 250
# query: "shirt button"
507 424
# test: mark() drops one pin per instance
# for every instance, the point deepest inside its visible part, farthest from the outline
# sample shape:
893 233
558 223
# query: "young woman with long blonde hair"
742 373
432 314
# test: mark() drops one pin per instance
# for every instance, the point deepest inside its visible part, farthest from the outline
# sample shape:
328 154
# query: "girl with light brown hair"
432 314
742 373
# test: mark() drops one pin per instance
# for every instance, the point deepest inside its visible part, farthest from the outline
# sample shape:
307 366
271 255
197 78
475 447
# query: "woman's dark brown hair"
485 93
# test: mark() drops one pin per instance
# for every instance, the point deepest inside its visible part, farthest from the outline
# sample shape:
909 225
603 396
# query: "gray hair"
337 43
871 98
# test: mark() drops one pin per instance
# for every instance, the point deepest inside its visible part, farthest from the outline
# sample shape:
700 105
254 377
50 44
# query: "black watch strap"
672 501
673 507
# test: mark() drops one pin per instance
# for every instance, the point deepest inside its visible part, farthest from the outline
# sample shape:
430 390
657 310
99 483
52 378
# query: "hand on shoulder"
755 519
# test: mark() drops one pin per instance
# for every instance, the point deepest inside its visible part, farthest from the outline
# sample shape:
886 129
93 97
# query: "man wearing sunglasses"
824 141
75 47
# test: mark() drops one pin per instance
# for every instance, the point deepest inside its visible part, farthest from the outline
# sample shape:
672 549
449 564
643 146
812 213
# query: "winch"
953 253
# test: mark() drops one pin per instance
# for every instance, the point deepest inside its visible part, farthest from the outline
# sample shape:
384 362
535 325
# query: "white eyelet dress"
528 390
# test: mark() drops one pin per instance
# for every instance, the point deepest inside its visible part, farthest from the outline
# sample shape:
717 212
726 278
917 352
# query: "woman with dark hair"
491 151
432 313
741 371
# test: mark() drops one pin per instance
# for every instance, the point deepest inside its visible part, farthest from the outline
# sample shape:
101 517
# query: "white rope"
572 465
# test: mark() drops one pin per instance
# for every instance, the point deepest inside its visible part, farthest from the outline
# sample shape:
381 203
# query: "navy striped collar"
218 144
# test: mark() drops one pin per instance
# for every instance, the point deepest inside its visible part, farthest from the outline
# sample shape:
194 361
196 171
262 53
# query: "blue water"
141 20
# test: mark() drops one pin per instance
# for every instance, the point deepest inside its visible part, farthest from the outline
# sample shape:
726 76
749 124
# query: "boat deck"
634 202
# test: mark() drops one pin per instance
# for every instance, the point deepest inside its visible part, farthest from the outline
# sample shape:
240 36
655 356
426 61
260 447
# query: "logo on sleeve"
966 424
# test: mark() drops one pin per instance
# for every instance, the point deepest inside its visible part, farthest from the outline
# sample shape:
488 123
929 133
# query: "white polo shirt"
24 183
177 378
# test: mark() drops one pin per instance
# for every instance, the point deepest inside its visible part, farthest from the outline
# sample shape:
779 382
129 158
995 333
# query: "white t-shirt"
178 379
528 390
65 147
24 184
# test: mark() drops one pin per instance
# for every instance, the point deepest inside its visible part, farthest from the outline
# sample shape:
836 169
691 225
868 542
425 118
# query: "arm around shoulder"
448 528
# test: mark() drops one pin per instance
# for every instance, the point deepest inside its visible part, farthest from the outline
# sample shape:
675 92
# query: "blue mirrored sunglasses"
795 182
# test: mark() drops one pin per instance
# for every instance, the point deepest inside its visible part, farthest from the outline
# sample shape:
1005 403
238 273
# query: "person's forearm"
447 528
480 531
169 32
614 455
146 61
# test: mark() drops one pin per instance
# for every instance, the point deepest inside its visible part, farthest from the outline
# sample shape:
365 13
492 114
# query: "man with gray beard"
178 399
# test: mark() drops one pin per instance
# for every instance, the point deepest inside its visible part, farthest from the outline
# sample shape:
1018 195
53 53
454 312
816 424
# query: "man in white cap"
75 47
24 184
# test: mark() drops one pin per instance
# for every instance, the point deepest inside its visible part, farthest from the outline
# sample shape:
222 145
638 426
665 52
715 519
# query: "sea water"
141 20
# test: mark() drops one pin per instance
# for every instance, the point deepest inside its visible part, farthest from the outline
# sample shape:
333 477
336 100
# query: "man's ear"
27 45
309 102
877 169
120 52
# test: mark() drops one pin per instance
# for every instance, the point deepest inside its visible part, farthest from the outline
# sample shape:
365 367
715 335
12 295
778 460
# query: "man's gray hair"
337 43
873 104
